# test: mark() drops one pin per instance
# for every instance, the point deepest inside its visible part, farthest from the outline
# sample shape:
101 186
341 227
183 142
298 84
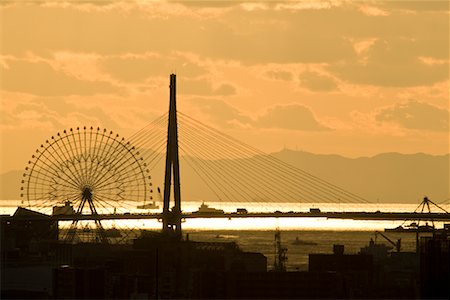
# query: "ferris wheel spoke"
119 205
51 191
108 144
113 152
74 146
53 181
99 144
131 183
67 155
125 182
70 156
48 168
107 203
112 176
62 158
70 142
121 169
71 168
91 155
70 196
113 204
114 155
111 172
84 153
114 186
79 147
38 189
98 156
104 154
51 178
104 205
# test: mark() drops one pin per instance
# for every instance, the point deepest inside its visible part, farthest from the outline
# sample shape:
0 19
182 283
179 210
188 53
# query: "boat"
297 241
413 227
66 209
379 251
226 236
151 205
205 209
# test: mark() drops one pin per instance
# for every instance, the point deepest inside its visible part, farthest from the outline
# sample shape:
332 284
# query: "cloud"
134 30
316 82
211 4
292 117
24 111
220 111
306 5
362 46
279 75
415 115
203 87
418 6
253 6
250 37
137 67
373 11
388 62
41 79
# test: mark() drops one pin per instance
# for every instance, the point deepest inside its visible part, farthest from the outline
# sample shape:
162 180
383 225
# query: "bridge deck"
329 215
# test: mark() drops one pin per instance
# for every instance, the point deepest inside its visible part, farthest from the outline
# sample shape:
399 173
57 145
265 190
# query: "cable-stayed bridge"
107 178
237 173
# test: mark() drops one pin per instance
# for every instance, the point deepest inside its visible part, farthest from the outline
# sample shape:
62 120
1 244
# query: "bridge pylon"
172 216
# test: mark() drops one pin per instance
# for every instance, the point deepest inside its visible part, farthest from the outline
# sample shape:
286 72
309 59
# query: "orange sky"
348 77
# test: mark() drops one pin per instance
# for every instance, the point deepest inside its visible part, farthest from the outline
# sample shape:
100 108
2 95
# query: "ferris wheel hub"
87 193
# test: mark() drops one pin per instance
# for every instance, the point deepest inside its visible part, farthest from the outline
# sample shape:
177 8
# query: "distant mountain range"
384 178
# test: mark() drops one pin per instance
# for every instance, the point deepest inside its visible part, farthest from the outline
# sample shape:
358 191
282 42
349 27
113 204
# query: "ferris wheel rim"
119 169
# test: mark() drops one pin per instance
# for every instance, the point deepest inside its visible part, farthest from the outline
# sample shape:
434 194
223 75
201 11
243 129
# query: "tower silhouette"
172 216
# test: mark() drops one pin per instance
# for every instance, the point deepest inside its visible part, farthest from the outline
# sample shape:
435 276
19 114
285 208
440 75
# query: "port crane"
397 245
280 253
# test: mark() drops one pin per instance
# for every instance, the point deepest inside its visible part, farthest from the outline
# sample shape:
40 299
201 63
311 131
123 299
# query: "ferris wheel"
85 171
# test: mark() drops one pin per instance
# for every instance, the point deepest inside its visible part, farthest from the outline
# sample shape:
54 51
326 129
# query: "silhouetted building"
80 283
27 254
356 269
155 266
26 232
285 285
434 267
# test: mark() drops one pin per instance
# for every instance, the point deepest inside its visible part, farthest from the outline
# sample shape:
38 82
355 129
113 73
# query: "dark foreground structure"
34 264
